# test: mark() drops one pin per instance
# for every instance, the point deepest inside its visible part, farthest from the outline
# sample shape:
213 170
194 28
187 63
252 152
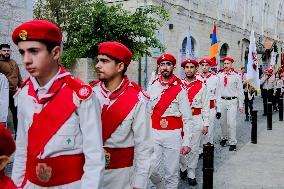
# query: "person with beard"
171 114
4 98
211 80
125 121
59 142
267 83
7 148
199 101
11 70
232 99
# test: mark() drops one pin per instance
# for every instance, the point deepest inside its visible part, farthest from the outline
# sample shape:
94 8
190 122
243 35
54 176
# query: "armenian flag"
214 47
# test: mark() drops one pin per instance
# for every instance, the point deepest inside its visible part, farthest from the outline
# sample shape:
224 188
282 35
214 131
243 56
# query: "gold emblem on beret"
23 35
164 123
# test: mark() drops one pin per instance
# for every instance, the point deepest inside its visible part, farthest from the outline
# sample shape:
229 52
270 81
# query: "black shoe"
200 156
265 114
247 118
275 110
192 182
223 142
232 148
183 174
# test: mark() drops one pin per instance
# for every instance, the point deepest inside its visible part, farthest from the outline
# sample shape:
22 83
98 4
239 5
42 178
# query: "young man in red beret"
211 80
59 143
170 115
7 148
125 122
232 98
199 102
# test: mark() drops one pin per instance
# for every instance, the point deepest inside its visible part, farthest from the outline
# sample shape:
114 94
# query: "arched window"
223 53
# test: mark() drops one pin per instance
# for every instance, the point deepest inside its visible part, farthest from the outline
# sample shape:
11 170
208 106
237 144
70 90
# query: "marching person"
11 70
267 83
125 122
211 80
59 143
278 88
170 115
200 106
7 148
4 98
232 98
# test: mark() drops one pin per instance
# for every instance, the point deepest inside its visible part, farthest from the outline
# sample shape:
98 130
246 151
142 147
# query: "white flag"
272 58
252 76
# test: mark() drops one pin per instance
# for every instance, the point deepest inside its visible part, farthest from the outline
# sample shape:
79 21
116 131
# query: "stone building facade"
12 14
233 19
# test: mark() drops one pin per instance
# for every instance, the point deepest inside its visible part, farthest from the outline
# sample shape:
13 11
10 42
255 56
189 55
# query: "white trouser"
73 185
210 135
167 145
191 159
118 178
229 110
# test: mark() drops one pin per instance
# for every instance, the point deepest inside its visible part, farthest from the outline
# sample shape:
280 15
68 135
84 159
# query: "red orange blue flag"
214 47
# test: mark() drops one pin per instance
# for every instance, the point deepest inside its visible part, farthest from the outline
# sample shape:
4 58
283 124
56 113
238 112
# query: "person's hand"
205 130
274 94
185 150
218 115
241 110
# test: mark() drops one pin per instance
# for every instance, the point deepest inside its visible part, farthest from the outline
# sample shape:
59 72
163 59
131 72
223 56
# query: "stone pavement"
255 166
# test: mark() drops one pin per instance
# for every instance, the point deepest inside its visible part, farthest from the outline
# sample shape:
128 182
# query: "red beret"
166 57
35 30
205 60
116 50
189 61
227 58
7 143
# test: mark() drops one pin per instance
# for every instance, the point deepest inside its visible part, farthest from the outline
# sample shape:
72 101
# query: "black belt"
229 98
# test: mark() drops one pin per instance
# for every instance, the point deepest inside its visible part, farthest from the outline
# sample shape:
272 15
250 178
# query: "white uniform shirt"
234 87
180 107
278 84
201 100
267 83
4 98
212 83
83 128
135 131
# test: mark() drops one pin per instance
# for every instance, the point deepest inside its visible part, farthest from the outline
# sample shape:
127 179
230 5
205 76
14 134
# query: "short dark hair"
4 46
49 45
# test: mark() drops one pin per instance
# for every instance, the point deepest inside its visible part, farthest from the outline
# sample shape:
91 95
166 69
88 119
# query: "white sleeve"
218 95
143 145
240 91
4 98
19 165
90 123
205 106
185 109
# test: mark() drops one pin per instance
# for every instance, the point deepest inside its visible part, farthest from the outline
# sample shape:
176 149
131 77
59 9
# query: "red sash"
165 100
49 120
193 89
118 111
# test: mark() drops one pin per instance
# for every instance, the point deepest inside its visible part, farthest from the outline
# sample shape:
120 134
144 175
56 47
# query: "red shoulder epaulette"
82 90
93 83
138 88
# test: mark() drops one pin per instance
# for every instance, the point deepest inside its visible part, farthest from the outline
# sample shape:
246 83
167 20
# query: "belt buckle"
164 123
107 158
192 111
43 172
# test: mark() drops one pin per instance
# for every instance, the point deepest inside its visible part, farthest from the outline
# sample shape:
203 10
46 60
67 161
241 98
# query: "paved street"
243 168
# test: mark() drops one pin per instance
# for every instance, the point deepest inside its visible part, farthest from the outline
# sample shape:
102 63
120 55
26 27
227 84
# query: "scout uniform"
232 97
199 101
211 81
267 83
59 143
7 148
125 127
170 114
4 98
249 96
278 90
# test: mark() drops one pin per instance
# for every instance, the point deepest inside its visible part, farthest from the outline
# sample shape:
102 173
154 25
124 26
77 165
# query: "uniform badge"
192 111
43 172
164 123
107 158
84 92
23 35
